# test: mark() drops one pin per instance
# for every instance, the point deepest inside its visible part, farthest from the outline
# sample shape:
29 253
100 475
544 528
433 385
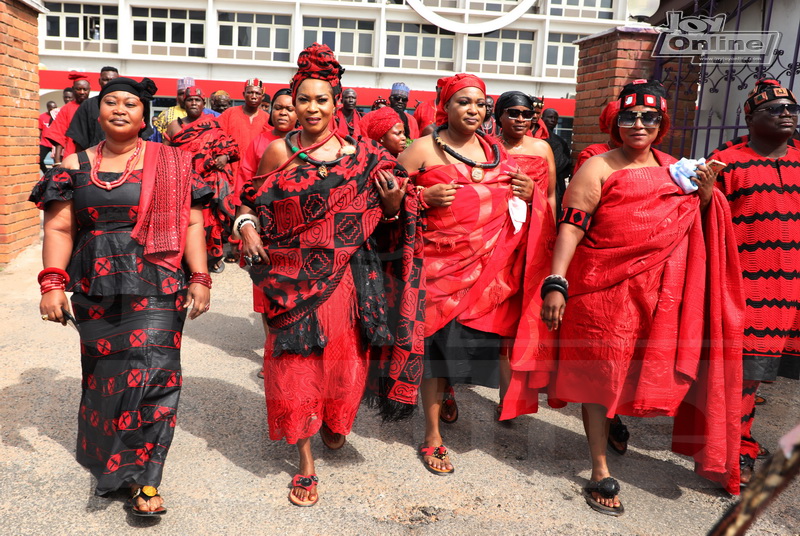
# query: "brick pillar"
607 61
19 135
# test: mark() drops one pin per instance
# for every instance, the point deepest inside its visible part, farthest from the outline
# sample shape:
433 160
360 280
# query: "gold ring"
44 317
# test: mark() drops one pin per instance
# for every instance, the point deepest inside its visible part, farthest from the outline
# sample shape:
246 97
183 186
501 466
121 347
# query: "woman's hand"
553 309
51 305
706 177
521 185
252 248
198 298
440 195
391 191
221 161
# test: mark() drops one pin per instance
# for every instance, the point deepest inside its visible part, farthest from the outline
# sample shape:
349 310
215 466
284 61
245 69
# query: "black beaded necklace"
477 167
322 165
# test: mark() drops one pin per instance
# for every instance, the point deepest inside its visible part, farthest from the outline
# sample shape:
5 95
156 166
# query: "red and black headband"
644 93
767 89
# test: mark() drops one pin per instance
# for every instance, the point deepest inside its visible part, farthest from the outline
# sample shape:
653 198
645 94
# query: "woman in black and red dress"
313 223
123 230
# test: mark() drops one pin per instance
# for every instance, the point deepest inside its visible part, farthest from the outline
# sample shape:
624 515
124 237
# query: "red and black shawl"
312 229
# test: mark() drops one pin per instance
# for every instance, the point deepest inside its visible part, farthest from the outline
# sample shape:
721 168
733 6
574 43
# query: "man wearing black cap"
762 184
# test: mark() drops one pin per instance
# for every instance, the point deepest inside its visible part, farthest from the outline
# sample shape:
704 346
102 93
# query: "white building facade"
524 45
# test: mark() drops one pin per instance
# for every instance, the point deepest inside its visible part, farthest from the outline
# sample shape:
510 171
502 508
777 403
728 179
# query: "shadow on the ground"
232 335
532 445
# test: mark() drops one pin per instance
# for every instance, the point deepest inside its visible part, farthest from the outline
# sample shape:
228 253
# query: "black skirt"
463 355
130 359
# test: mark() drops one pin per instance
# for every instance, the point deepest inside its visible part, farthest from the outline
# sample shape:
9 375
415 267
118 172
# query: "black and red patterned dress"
130 320
337 282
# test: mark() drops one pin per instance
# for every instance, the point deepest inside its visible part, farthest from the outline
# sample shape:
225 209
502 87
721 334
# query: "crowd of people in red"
394 255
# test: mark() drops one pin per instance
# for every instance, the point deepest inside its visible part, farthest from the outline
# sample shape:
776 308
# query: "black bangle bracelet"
550 287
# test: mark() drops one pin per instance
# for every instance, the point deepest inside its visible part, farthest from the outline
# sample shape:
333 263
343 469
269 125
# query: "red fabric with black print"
314 228
205 141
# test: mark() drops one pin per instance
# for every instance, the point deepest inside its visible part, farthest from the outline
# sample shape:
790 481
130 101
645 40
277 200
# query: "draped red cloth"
250 160
205 141
592 150
425 114
343 129
57 132
649 329
164 204
537 168
541 132
474 261
239 126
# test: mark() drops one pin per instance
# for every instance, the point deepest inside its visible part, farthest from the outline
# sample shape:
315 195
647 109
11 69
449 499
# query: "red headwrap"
450 86
380 122
317 61
608 115
75 75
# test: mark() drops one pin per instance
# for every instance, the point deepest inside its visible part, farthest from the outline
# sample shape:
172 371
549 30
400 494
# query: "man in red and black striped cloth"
762 184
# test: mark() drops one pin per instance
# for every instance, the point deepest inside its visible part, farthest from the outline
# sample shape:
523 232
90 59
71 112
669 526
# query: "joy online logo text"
702 40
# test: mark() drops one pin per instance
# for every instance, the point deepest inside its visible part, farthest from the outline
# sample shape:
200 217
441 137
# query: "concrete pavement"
224 476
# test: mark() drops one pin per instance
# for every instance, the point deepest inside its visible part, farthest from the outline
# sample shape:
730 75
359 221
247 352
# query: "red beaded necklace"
98 159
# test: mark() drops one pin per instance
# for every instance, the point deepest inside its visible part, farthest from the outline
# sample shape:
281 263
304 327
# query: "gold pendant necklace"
322 171
477 174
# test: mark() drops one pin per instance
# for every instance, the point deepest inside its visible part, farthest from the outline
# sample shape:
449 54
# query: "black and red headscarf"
317 61
767 89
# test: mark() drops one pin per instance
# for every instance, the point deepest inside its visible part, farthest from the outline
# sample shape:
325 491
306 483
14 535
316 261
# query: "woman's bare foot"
610 502
306 469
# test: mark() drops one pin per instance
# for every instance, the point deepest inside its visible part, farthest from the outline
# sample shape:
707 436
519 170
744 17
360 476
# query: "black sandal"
448 411
145 493
747 467
608 488
618 432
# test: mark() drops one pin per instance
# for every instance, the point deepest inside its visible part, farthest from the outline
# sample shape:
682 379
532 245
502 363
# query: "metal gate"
716 116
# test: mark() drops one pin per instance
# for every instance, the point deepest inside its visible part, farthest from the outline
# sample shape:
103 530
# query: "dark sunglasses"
398 98
627 119
778 109
513 113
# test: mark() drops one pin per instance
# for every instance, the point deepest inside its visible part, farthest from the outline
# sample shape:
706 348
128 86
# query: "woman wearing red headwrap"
312 223
480 226
655 302
607 117
385 127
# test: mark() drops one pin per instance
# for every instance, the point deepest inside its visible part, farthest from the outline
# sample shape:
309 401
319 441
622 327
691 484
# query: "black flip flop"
618 432
608 488
145 493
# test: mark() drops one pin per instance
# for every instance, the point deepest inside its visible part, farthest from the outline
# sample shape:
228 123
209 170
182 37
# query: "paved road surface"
224 476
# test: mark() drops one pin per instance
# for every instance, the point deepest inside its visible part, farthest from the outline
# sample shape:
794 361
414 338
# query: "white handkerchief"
518 210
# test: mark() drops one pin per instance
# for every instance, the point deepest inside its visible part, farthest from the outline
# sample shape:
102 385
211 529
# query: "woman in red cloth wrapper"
212 152
312 224
653 274
479 227
111 216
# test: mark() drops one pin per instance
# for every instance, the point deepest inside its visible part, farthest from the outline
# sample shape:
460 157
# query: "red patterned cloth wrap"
354 128
537 168
654 319
313 231
318 61
450 86
763 195
164 218
474 261
541 131
206 141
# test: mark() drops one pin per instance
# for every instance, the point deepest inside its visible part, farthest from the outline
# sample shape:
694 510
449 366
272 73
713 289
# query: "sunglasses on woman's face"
513 113
778 109
627 119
